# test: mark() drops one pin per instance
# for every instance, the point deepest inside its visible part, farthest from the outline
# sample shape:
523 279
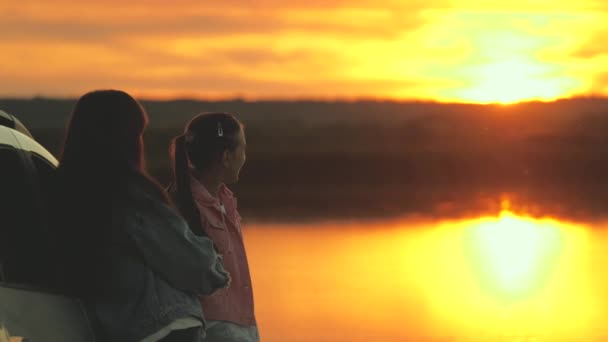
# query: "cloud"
217 71
600 83
108 24
256 47
404 48
594 46
198 84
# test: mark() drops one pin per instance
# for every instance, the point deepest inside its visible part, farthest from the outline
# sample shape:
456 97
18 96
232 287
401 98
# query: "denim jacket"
159 279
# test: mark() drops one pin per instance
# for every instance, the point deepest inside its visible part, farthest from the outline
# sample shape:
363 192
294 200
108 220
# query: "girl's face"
234 160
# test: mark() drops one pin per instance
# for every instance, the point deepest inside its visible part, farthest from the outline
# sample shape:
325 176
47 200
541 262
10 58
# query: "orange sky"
469 50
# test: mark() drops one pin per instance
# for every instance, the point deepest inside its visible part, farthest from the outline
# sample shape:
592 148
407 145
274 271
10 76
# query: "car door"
24 177
28 309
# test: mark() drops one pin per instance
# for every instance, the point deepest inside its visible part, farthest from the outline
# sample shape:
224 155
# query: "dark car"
27 308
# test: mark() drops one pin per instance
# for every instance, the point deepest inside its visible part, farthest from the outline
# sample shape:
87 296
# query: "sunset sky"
466 51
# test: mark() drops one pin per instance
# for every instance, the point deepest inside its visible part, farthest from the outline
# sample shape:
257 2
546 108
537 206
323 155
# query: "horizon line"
312 99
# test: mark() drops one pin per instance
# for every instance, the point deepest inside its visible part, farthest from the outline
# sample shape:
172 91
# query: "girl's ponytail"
182 188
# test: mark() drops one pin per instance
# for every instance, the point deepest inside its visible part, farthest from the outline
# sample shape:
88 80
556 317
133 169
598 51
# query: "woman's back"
146 272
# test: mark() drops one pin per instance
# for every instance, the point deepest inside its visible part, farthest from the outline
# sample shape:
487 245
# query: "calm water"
502 278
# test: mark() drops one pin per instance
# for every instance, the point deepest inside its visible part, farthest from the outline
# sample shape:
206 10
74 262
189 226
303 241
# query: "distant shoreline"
317 100
367 160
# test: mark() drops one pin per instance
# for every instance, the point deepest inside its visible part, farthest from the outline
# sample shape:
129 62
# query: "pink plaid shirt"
222 223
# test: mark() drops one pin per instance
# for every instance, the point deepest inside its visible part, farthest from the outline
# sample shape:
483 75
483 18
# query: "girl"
121 248
208 156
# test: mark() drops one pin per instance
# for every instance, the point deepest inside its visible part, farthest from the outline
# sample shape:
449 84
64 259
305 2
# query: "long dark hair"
104 133
102 155
103 146
203 143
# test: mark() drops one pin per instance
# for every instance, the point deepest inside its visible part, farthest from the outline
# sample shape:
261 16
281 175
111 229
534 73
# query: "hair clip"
220 130
189 137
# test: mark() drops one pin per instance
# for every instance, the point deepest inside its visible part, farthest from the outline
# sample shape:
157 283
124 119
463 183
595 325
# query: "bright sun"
506 67
513 80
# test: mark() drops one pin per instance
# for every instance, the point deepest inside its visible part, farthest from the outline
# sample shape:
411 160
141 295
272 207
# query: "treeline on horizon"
360 159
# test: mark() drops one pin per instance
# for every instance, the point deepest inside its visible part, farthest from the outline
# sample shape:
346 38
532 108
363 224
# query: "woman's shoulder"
144 202
141 187
143 190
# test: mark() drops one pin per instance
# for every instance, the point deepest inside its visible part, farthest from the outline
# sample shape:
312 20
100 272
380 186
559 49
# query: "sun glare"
509 81
504 272
508 64
513 255
503 277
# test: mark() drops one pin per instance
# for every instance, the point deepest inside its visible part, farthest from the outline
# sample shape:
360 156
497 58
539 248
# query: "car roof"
20 138
11 121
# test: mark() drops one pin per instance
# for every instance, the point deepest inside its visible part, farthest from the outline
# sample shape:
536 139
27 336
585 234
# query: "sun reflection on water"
500 278
514 256
506 274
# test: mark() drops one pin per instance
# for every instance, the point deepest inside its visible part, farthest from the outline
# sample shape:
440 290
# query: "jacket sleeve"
187 261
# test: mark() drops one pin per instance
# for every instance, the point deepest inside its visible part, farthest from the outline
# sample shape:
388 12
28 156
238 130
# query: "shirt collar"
204 198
